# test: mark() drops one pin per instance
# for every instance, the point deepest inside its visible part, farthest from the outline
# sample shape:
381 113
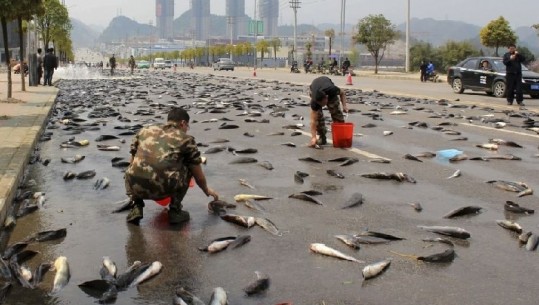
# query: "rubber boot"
136 213
177 216
322 140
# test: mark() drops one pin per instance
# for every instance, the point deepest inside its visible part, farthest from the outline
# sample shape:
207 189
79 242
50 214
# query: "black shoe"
509 103
176 217
521 104
135 215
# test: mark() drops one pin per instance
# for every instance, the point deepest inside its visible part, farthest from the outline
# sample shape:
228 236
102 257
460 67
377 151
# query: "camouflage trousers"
172 184
336 116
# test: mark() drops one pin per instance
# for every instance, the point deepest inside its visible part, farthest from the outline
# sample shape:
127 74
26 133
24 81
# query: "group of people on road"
47 64
427 71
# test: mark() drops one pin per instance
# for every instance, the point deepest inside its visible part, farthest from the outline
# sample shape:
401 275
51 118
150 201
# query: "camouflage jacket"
159 150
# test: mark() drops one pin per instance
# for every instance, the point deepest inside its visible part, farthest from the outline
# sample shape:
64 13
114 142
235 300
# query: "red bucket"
166 201
342 134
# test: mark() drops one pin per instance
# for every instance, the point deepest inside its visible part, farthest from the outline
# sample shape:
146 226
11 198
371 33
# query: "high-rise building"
164 13
236 19
269 15
200 10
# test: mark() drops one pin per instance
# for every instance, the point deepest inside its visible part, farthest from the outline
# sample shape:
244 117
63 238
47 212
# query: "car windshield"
225 60
499 66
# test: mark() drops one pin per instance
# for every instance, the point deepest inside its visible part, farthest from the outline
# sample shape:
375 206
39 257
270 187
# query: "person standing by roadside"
132 63
50 63
112 63
423 70
39 66
513 75
323 92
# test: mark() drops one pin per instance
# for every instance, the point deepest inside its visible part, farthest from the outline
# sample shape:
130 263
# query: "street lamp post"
295 5
408 37
343 13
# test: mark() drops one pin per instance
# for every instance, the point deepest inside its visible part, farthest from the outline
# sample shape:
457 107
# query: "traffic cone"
254 73
349 79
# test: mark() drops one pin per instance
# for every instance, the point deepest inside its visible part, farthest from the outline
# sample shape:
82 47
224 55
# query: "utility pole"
408 37
255 31
231 24
294 4
343 14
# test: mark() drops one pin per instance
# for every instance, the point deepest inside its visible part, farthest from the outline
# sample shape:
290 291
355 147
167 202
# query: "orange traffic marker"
349 79
254 73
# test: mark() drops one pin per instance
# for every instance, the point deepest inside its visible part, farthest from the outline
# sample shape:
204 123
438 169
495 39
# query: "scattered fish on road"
244 197
509 225
514 207
268 225
325 250
335 174
261 284
355 200
150 272
463 211
218 297
444 257
61 278
218 245
374 270
455 174
244 221
518 187
305 197
448 231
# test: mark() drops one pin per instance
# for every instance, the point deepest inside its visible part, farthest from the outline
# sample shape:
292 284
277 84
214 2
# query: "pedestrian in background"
39 66
513 75
132 63
112 63
423 70
50 63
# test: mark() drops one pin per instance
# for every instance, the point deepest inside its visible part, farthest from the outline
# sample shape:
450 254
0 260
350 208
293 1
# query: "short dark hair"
177 115
511 45
39 50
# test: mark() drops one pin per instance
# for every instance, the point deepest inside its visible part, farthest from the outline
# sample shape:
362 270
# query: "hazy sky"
479 12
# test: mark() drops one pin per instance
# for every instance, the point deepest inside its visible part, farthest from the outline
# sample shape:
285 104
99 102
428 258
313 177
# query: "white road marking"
503 130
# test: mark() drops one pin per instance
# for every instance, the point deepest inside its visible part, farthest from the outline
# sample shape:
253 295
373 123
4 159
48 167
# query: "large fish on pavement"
374 270
61 278
444 257
150 272
188 297
305 197
218 297
467 210
218 245
244 197
244 221
504 142
518 187
47 235
509 225
349 240
261 284
514 207
325 250
448 231
268 225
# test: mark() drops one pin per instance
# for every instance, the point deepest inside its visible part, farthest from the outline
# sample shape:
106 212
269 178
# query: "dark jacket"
513 66
325 85
50 61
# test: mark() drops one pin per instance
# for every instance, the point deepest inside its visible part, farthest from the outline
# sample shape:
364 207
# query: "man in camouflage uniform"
164 158
324 93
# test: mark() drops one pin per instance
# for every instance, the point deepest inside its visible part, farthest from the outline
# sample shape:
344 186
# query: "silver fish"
153 270
489 146
417 206
306 197
218 245
104 147
75 159
449 231
188 297
102 183
325 250
412 157
455 174
380 160
266 164
245 183
335 174
444 257
268 225
511 206
509 225
523 238
244 221
218 297
532 242
243 197
463 211
61 278
243 160
439 240
373 270
110 266
349 240
505 143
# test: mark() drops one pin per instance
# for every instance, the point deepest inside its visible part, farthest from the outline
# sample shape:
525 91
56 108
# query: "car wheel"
232 69
457 86
490 93
499 89
534 95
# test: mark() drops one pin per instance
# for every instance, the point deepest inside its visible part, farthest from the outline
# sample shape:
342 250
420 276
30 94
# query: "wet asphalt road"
490 267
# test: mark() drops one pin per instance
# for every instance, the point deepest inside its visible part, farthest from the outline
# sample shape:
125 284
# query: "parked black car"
470 74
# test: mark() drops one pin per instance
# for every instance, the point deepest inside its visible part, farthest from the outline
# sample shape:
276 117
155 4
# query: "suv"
159 63
223 64
469 74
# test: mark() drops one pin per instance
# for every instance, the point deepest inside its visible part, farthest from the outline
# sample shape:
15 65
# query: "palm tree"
331 34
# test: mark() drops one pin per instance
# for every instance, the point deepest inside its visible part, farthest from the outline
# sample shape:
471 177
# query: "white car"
168 64
159 63
223 64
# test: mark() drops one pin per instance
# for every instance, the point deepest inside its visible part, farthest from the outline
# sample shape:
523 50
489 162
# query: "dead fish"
298 177
218 297
417 206
109 296
289 144
398 112
150 272
126 278
305 197
248 134
14 249
121 164
335 174
243 197
463 211
511 186
244 221
294 126
188 297
260 285
387 133
72 160
239 241
457 158
509 225
246 151
69 175
214 150
445 257
279 133
325 250
219 207
411 157
488 146
380 160
523 238
532 242
102 183
5 289
296 133
379 235
86 174
124 205
243 160
266 164
349 161
220 140
104 147
355 200
511 206
373 270
268 225
455 174
23 256
440 240
498 157
110 266
312 193
349 240
309 159
218 245
17 272
401 177
106 137
459 139
40 272
505 143
448 231
229 126
425 154
245 183
48 235
368 125
10 222
61 278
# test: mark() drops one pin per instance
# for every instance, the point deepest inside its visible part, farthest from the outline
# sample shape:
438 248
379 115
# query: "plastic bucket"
342 134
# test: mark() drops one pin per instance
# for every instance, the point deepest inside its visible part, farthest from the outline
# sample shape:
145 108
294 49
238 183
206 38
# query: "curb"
19 162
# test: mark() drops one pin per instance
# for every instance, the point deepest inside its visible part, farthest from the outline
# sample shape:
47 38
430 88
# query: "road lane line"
498 129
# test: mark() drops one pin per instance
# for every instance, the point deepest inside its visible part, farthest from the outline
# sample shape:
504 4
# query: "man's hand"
212 193
313 142
345 108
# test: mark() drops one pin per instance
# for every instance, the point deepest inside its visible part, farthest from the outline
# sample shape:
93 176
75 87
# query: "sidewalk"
21 122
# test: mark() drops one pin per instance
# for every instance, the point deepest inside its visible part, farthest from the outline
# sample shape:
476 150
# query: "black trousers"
513 83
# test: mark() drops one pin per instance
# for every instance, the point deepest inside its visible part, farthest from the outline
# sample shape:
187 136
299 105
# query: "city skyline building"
269 15
236 18
164 15
200 21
